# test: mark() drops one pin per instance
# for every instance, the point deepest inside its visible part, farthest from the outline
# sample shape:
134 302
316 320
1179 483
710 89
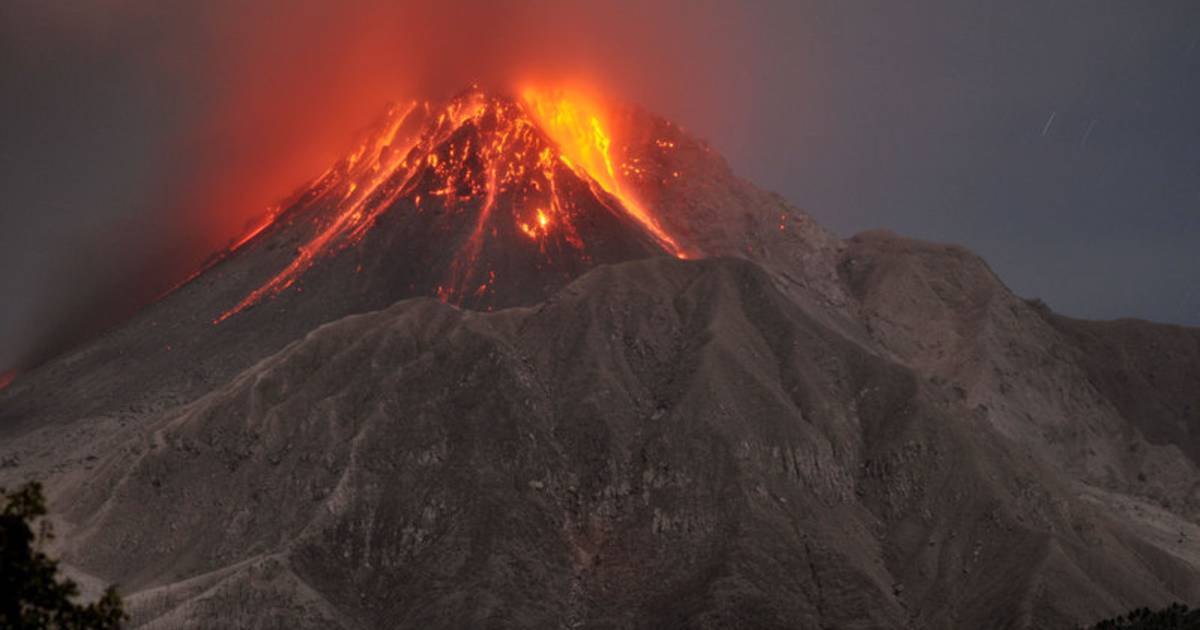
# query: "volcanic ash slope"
660 444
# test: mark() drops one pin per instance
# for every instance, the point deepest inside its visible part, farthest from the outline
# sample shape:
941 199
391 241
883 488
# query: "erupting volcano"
482 188
535 360
485 200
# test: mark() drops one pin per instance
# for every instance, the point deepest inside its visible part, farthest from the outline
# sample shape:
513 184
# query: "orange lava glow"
6 378
263 224
478 148
578 126
372 163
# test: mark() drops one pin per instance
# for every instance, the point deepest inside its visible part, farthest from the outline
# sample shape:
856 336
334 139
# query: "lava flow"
455 164
577 128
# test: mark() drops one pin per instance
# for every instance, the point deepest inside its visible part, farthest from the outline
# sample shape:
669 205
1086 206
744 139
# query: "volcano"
532 359
483 201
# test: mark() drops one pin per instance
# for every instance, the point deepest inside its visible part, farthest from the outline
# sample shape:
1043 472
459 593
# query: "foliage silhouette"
1174 617
32 594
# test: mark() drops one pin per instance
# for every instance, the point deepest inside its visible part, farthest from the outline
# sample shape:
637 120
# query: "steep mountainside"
531 361
1113 404
662 443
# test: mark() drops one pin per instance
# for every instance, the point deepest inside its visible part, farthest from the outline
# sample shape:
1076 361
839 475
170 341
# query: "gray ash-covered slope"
872 433
663 443
1116 404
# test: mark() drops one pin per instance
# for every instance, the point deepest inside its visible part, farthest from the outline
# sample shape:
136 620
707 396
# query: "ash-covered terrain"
529 362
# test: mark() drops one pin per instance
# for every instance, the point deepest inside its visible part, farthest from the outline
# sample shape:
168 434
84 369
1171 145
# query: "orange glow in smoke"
372 163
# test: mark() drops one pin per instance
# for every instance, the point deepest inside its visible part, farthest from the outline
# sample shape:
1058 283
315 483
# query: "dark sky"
1060 140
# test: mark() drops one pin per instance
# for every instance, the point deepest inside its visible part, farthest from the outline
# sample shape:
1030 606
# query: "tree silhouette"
1174 617
32 595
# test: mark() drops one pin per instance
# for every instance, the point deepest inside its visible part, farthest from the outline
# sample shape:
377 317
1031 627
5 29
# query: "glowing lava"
6 378
578 127
462 160
373 163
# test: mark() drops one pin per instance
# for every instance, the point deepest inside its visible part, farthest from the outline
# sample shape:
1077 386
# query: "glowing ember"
263 224
464 158
6 378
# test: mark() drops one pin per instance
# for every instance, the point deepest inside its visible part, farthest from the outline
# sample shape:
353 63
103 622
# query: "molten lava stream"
351 218
576 126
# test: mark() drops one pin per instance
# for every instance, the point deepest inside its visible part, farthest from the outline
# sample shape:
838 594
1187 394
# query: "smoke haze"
1057 140
154 133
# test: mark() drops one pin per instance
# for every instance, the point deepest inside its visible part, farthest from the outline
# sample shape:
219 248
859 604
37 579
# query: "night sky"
1060 140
